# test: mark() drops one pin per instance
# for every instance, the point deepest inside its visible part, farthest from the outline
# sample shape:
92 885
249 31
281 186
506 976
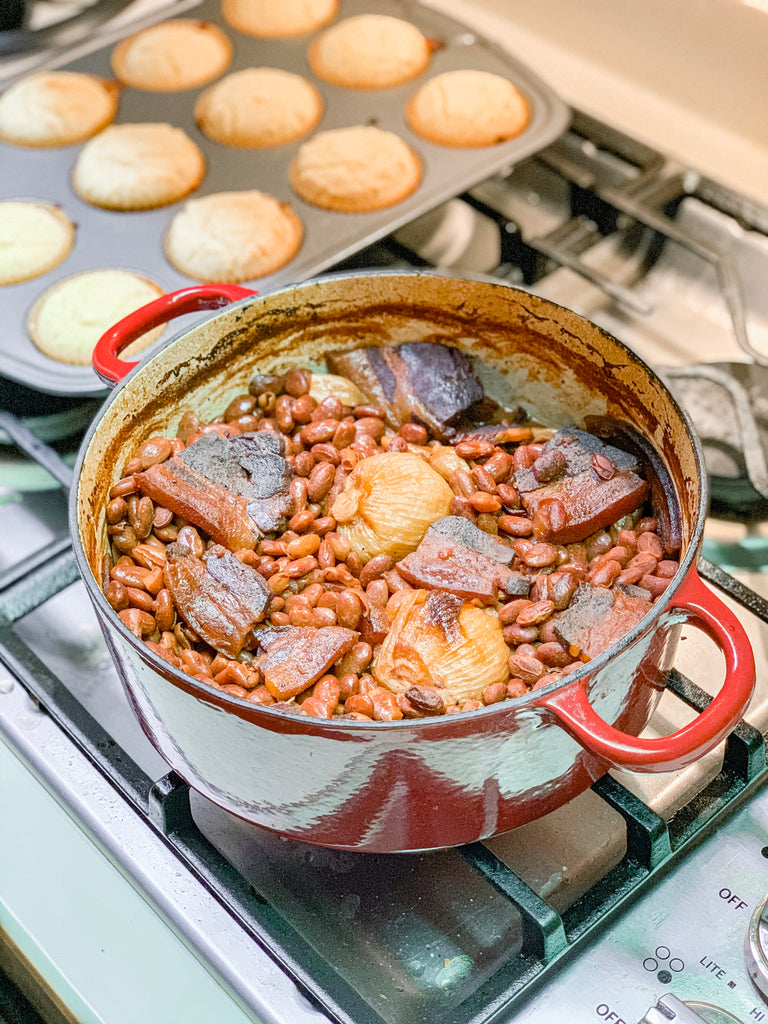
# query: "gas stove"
129 897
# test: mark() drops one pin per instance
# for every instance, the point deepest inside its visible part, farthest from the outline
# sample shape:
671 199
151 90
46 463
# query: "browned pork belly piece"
579 485
210 506
441 562
234 489
220 598
598 617
422 381
297 656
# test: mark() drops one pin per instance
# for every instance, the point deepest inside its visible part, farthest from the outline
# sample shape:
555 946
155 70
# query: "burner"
27 26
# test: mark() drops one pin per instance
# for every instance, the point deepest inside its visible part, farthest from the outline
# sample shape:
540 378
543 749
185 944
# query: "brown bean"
619 554
140 599
323 617
360 703
266 382
302 546
547 632
396 444
461 507
284 414
326 452
117 595
627 539
598 544
553 654
371 425
550 465
509 612
117 509
656 584
132 466
325 556
141 623
344 434
324 525
516 526
299 523
385 706
642 564
603 467
297 382
499 466
650 543
647 525
377 593
300 567
483 479
525 667
540 555
260 695
235 674
329 408
316 708
349 608
509 496
153 581
524 457
461 483
483 502
494 692
550 517
375 567
304 463
195 662
349 685
536 613
154 451
364 445
476 448
129 575
667 568
320 481
354 563
189 536
123 537
425 699
515 635
487 523
317 432
281 619
604 575
355 660
414 433
165 613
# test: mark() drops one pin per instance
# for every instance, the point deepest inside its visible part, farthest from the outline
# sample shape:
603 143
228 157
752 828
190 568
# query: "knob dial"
756 948
671 1010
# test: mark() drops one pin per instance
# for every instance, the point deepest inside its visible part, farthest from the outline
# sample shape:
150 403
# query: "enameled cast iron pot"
411 784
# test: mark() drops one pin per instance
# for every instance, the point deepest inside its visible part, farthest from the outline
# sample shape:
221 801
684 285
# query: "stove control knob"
671 1010
756 948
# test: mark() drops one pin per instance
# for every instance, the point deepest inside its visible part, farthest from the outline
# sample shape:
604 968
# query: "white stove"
131 898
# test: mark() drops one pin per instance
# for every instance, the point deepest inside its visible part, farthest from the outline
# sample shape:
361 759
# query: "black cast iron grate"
548 938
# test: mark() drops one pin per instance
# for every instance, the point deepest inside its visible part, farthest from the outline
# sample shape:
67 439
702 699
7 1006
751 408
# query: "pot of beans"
393 561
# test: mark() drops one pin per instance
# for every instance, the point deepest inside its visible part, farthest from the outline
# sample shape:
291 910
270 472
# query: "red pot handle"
186 300
667 753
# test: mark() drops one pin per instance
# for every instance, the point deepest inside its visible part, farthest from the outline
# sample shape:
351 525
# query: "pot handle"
186 300
571 705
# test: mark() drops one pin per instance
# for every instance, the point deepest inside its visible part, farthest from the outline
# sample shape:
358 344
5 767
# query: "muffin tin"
134 241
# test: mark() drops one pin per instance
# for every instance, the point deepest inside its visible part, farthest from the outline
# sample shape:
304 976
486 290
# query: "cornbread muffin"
233 236
467 108
355 170
69 317
258 107
138 167
34 238
369 51
56 108
269 19
172 56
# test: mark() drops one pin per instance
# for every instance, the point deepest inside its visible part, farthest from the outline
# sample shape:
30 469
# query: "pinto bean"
525 667
535 614
516 526
297 382
320 481
414 433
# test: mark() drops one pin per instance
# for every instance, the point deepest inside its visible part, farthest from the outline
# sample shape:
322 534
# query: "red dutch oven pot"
412 784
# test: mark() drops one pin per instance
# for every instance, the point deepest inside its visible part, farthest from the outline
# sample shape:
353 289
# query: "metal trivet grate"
548 938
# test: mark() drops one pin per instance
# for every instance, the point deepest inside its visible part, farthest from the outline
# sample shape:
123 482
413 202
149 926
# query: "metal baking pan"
133 241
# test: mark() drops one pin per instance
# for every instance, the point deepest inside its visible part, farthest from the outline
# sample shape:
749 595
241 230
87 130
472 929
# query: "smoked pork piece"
595 485
220 598
297 656
598 617
236 490
210 506
422 381
442 562
464 532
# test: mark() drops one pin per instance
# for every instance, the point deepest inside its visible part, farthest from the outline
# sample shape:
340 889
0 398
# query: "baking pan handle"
186 300
667 753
